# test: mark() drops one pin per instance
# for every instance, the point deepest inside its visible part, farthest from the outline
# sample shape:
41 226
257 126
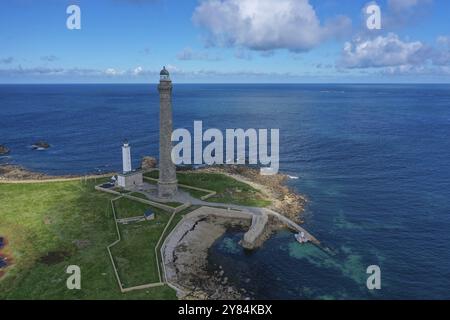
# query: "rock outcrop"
41 145
185 254
148 163
3 150
12 172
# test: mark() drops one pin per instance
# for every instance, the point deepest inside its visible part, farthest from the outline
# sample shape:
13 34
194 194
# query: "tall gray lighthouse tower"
167 184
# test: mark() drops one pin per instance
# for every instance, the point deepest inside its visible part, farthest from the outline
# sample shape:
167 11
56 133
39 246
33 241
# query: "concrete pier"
291 224
255 232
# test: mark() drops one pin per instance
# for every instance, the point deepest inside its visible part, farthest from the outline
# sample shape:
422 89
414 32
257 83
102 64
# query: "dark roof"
164 72
148 213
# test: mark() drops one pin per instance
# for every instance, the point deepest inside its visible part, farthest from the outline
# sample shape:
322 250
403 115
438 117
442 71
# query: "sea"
372 160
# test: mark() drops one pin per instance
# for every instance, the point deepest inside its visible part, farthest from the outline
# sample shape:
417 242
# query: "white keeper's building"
129 178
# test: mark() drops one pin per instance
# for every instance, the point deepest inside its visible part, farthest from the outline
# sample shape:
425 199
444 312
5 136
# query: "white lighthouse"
126 157
129 179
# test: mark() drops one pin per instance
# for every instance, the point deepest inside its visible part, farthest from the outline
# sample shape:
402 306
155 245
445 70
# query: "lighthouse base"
167 190
131 179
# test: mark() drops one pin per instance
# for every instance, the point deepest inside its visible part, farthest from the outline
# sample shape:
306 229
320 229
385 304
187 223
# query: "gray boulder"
148 163
3 150
41 145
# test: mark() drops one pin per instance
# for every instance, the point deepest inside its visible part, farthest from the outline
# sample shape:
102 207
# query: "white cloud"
443 40
265 24
383 51
416 71
138 70
113 72
393 56
172 68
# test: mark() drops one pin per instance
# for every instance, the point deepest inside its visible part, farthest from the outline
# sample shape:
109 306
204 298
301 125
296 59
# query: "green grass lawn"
71 219
195 193
127 208
228 190
134 255
152 174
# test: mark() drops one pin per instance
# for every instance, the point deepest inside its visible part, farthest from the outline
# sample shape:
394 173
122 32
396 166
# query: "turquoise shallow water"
283 269
373 161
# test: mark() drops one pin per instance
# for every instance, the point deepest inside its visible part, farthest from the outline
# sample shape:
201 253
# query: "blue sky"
209 41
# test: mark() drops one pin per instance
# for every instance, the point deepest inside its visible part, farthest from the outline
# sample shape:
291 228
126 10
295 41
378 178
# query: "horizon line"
231 83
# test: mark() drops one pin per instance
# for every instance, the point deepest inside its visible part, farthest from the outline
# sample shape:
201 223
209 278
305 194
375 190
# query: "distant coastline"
18 174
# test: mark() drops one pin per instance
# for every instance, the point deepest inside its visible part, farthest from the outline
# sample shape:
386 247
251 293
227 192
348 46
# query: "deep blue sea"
373 160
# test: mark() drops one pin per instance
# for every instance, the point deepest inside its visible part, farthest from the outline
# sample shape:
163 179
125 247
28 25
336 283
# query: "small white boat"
301 238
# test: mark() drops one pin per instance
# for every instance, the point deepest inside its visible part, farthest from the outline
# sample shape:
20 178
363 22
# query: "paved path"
260 214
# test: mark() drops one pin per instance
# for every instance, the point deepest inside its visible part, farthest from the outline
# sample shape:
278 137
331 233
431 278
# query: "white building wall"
121 181
126 158
131 180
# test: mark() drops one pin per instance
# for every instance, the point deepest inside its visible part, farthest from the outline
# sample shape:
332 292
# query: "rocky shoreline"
10 173
4 150
14 172
284 200
186 255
